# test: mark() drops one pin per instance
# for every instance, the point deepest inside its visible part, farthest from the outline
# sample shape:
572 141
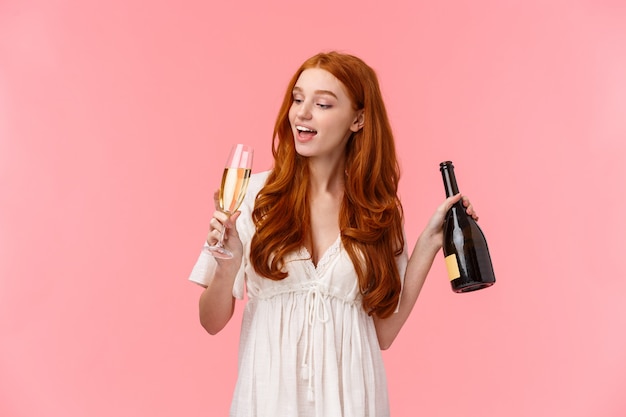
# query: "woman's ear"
358 122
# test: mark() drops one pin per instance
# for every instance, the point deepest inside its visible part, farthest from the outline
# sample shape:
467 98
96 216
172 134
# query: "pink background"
116 117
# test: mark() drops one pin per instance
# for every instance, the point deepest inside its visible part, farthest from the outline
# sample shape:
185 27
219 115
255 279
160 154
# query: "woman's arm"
426 248
217 303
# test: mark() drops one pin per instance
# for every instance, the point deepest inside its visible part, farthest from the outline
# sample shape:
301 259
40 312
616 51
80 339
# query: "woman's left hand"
434 228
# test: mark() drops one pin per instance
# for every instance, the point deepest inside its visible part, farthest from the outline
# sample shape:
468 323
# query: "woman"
319 243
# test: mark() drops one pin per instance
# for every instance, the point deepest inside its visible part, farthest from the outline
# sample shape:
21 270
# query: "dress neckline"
324 260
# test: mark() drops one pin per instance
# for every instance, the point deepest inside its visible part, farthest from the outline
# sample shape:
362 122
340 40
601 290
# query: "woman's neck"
326 176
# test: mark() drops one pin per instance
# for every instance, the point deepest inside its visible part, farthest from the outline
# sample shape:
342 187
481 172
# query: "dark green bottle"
464 245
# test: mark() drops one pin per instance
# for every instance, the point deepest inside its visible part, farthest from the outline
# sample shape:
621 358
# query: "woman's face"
321 115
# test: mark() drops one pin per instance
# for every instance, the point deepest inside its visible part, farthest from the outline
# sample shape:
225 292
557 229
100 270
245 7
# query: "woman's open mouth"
305 133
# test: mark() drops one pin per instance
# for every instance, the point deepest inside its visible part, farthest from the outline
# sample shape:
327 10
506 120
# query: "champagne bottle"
464 245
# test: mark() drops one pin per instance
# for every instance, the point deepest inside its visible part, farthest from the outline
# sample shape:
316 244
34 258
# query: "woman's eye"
297 100
324 106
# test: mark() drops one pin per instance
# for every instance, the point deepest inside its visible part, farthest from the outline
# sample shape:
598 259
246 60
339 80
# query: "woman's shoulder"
257 181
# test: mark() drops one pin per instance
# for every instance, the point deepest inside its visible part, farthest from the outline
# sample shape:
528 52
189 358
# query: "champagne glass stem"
220 243
219 250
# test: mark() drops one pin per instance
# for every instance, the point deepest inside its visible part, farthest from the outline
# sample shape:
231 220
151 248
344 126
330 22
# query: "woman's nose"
304 111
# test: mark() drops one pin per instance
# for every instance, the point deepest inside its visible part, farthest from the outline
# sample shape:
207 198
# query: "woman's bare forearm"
417 270
217 303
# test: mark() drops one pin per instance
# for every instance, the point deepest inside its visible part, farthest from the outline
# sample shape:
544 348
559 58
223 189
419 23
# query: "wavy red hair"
371 215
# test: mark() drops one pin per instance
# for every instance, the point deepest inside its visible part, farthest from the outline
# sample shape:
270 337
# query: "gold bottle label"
453 267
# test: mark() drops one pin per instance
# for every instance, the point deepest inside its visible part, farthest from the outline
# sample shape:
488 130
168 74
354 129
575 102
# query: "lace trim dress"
307 347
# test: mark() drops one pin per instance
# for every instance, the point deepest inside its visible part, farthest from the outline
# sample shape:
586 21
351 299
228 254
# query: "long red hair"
371 215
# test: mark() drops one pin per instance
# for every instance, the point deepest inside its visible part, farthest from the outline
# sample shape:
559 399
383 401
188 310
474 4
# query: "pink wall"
115 118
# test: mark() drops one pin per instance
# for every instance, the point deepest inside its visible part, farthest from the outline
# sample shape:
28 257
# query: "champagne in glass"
233 190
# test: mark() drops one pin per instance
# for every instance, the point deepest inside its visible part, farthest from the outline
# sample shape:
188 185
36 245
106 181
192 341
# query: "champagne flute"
234 184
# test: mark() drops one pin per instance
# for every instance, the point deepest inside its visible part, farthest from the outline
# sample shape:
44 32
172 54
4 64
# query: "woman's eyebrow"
317 92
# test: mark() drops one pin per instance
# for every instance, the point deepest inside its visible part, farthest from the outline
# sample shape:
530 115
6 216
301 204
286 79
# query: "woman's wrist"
228 267
428 243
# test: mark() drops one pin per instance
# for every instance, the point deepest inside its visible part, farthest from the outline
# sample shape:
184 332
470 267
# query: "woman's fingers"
222 223
215 231
217 224
469 208
216 199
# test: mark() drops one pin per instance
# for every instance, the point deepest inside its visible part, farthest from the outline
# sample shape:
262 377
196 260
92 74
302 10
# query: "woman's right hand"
221 220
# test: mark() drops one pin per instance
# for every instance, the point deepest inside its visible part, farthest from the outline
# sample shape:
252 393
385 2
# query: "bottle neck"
449 180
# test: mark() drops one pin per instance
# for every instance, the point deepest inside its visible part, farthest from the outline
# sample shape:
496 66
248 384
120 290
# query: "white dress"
307 347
